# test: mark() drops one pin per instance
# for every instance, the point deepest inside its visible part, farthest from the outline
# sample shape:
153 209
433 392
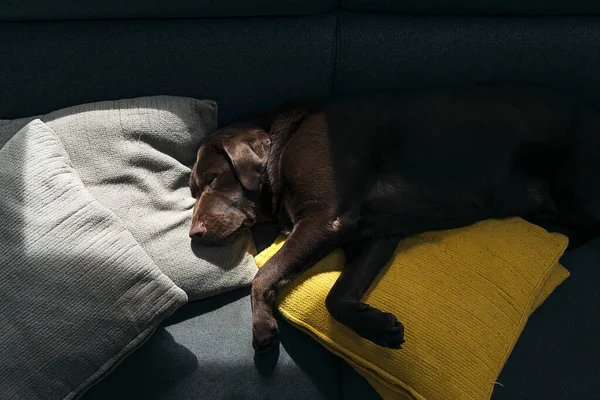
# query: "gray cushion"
133 156
77 292
246 65
384 52
102 9
529 7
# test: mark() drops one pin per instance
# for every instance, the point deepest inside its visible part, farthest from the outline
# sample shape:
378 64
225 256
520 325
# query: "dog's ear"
193 181
248 155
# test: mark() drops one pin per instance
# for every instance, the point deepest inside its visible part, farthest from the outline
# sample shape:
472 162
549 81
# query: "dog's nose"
198 230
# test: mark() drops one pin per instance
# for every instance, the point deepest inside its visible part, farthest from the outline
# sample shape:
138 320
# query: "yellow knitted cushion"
463 295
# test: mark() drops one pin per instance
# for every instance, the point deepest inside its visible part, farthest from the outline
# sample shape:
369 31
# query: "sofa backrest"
252 55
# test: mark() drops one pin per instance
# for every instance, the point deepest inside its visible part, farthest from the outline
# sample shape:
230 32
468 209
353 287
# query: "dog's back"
455 154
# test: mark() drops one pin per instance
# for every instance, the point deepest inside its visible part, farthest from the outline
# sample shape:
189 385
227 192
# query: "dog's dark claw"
393 346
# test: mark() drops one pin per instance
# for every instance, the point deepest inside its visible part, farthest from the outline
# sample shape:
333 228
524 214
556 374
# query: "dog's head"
225 181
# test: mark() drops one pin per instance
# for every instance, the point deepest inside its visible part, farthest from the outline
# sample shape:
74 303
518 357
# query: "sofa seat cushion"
204 351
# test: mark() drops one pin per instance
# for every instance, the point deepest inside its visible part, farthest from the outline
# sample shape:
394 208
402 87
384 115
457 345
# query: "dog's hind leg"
368 257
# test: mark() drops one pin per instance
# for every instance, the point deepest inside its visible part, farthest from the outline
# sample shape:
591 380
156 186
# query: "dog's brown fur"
363 172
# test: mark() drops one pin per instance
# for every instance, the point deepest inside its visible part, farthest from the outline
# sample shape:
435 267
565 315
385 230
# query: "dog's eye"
211 180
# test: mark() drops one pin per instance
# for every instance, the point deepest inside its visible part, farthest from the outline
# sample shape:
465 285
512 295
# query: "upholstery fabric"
77 292
475 7
558 354
205 352
385 51
247 66
99 9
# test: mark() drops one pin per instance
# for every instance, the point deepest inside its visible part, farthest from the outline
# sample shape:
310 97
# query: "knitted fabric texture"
134 157
77 292
463 295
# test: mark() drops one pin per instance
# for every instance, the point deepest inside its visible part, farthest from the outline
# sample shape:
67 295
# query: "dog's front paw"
264 334
380 327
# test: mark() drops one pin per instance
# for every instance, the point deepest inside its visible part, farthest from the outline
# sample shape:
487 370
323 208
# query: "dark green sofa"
252 55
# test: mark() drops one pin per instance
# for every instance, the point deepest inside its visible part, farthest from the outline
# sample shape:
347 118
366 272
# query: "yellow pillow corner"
463 295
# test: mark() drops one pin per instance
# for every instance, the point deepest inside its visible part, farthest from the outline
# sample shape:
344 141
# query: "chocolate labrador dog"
364 172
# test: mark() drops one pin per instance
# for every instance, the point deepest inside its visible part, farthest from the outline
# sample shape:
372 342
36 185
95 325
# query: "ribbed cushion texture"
464 296
77 292
134 157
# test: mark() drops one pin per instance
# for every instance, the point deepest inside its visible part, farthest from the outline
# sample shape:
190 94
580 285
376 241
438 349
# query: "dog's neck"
280 127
